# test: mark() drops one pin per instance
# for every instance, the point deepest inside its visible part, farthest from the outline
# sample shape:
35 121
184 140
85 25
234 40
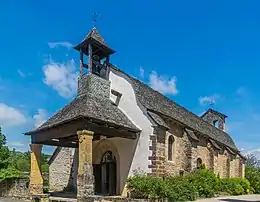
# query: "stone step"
61 199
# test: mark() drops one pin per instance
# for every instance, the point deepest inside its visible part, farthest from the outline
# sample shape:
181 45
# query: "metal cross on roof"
212 104
94 18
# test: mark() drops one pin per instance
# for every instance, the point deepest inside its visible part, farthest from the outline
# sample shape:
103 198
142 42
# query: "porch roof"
87 106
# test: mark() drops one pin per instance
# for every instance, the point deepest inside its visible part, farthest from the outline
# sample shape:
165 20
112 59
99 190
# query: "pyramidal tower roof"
96 36
99 46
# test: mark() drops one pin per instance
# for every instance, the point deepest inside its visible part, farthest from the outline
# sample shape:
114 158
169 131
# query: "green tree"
252 172
4 151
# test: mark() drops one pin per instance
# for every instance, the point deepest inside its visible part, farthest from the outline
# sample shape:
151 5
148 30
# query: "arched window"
107 157
170 148
199 163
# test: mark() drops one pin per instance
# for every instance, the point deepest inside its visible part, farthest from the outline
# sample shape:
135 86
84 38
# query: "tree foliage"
14 163
4 151
252 172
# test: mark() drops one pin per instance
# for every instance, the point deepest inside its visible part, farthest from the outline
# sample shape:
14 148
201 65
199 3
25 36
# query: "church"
116 126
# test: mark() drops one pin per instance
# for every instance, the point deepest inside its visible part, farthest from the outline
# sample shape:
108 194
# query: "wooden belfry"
98 52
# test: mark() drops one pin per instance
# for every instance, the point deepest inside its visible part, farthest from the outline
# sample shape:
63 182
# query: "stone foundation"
15 188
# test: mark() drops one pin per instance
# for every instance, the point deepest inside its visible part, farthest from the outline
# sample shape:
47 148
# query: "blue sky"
192 51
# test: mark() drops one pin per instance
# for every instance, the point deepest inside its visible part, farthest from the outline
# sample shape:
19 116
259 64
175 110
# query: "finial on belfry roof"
94 18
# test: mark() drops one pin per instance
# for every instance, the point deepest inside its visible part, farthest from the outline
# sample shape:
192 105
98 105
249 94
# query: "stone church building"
117 125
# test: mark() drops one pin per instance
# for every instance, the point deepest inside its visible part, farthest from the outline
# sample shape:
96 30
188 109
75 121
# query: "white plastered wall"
129 105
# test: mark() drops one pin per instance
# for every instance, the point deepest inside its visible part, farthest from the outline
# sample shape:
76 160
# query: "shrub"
143 186
173 188
9 173
252 174
201 183
231 186
244 183
205 181
180 189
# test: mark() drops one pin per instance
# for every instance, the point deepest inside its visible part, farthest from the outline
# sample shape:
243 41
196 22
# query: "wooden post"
85 181
108 68
89 58
36 180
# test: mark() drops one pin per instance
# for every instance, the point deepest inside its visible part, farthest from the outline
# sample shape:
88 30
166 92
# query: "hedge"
199 184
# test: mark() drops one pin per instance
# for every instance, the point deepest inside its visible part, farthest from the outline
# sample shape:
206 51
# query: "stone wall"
62 175
94 85
212 118
181 151
15 188
186 151
204 152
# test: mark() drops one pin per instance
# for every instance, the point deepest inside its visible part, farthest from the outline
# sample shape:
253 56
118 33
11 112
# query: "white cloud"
65 44
21 73
10 116
255 152
40 117
15 144
163 84
207 100
18 146
141 72
62 77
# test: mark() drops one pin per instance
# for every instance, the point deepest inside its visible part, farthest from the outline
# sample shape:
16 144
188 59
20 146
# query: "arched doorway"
107 185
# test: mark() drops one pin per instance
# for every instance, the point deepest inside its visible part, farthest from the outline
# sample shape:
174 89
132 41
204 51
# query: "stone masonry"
186 152
62 176
15 188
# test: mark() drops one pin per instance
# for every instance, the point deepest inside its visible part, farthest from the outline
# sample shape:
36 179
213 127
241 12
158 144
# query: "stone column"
36 180
85 181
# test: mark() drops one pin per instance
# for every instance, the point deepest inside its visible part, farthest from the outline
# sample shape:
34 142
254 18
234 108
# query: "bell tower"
98 53
96 82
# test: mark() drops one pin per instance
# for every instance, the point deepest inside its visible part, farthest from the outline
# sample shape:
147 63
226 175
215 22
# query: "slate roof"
191 134
90 107
95 35
155 101
157 119
215 144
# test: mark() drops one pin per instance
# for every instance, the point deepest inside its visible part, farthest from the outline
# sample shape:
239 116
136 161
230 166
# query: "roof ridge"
116 68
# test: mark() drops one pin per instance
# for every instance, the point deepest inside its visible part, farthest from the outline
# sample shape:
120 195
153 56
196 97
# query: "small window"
170 148
181 172
216 123
199 163
116 96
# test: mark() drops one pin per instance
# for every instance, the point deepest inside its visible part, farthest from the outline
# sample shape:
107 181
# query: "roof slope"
90 107
157 102
95 35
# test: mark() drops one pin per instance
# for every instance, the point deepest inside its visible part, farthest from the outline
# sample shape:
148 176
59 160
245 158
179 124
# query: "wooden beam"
107 131
68 131
90 58
59 144
62 131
